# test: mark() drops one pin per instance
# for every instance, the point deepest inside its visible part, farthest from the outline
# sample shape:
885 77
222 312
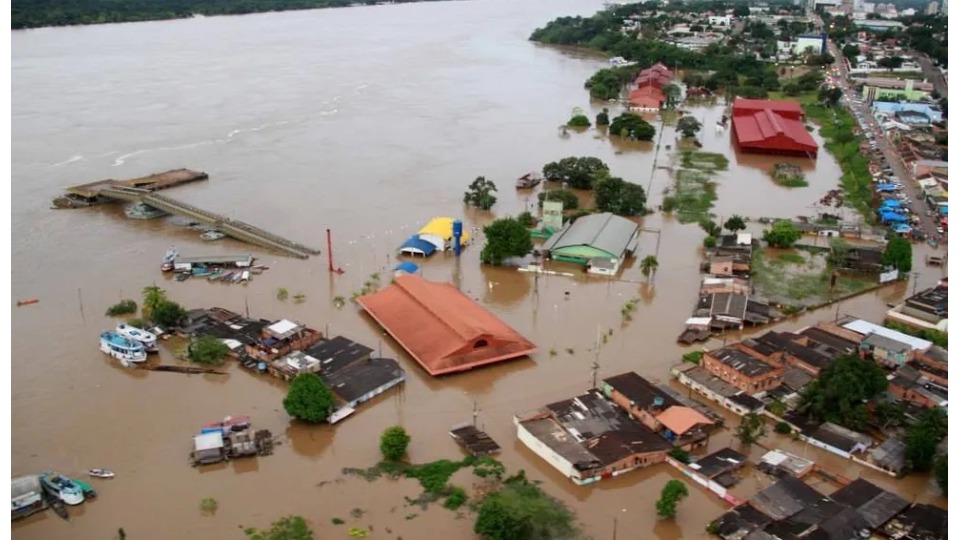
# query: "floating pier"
143 190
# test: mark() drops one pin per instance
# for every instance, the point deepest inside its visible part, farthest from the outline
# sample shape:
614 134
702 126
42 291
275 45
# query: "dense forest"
38 13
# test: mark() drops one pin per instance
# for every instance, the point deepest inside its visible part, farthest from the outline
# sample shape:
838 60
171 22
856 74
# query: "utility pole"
476 412
596 358
916 275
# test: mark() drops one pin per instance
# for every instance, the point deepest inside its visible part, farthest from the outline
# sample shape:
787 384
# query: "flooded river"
368 121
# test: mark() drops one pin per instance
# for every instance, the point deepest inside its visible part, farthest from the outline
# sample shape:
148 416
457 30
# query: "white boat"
212 235
143 211
123 349
62 488
100 473
166 265
148 339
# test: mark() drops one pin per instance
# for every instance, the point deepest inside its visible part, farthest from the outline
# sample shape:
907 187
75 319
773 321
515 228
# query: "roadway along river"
369 121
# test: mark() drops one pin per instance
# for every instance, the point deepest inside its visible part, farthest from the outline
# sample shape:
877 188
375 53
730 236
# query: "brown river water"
368 121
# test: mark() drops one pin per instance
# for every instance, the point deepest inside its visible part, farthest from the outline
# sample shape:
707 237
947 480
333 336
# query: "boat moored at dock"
140 210
529 180
27 496
61 487
133 333
126 350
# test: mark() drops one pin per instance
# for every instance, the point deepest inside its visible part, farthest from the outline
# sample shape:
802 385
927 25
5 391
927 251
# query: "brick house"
745 368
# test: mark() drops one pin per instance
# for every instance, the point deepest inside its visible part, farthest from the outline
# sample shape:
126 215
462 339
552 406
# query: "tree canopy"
480 194
782 234
688 126
568 198
577 172
309 399
631 126
898 254
603 117
673 492
286 528
506 237
168 313
751 428
735 223
208 350
520 510
649 266
840 393
923 438
619 196
394 442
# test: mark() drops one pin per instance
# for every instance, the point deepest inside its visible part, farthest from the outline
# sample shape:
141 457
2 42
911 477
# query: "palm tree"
153 296
649 265
672 93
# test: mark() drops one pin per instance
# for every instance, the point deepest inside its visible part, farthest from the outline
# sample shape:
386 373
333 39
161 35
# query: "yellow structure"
439 231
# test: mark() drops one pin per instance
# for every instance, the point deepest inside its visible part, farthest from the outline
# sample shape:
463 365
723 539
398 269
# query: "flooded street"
368 121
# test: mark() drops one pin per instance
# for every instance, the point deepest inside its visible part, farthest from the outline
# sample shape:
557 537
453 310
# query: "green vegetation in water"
791 258
578 121
208 506
704 161
123 307
433 476
282 294
799 285
693 357
337 521
692 197
837 128
519 509
287 528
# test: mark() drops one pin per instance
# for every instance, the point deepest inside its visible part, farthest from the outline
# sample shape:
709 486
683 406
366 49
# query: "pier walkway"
234 228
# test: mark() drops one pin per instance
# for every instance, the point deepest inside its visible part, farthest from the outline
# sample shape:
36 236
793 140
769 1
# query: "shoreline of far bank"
27 16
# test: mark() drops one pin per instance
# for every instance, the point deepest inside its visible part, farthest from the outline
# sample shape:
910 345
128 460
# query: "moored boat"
166 264
215 275
126 350
148 340
143 211
183 276
529 180
61 487
100 473
212 235
27 496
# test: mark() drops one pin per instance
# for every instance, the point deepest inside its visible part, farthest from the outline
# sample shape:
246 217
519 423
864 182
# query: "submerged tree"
840 393
649 266
577 172
506 237
286 528
673 492
735 223
394 442
208 350
309 399
688 126
631 126
751 428
618 196
480 194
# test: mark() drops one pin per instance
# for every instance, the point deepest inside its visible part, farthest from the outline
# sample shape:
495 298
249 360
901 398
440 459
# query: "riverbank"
26 15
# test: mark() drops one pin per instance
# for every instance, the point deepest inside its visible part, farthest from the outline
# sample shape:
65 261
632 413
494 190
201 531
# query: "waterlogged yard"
694 191
799 278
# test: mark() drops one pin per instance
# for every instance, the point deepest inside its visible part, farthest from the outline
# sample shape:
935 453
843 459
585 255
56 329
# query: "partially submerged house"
771 127
780 464
918 522
743 368
890 455
658 411
837 439
716 389
720 466
437 235
593 239
441 328
589 438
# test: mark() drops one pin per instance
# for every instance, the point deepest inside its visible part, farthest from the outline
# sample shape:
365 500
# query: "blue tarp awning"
886 187
417 246
943 210
890 203
887 217
902 228
407 267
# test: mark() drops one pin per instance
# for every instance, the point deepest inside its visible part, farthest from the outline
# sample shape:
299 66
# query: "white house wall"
546 453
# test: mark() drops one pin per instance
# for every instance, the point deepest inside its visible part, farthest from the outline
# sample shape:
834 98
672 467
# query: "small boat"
62 488
212 235
166 264
215 275
87 489
27 302
57 505
244 276
529 180
136 334
143 211
183 276
126 350
199 270
100 473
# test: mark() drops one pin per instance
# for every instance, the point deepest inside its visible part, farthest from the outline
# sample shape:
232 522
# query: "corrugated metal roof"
443 329
865 328
606 232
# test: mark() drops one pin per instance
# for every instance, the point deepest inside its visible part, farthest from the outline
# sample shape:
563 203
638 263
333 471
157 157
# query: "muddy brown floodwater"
369 121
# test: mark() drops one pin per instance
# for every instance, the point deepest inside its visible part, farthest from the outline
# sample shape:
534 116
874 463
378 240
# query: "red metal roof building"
442 329
646 97
771 127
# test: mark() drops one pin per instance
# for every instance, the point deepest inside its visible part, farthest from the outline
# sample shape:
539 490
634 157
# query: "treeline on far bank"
40 13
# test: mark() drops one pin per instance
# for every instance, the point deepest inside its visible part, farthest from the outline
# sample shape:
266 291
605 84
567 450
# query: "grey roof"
606 232
839 437
719 462
361 378
797 379
785 498
890 454
883 342
875 505
936 352
337 353
919 522
741 361
641 392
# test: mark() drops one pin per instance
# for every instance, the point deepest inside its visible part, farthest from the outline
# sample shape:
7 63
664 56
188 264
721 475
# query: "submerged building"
437 235
443 329
771 127
598 241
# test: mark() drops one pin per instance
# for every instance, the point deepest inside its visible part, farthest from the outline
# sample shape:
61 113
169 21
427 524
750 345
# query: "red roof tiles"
444 330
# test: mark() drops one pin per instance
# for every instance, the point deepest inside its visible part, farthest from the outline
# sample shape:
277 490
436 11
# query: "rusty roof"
443 329
682 419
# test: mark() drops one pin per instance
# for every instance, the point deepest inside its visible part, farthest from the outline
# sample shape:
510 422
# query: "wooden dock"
91 193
